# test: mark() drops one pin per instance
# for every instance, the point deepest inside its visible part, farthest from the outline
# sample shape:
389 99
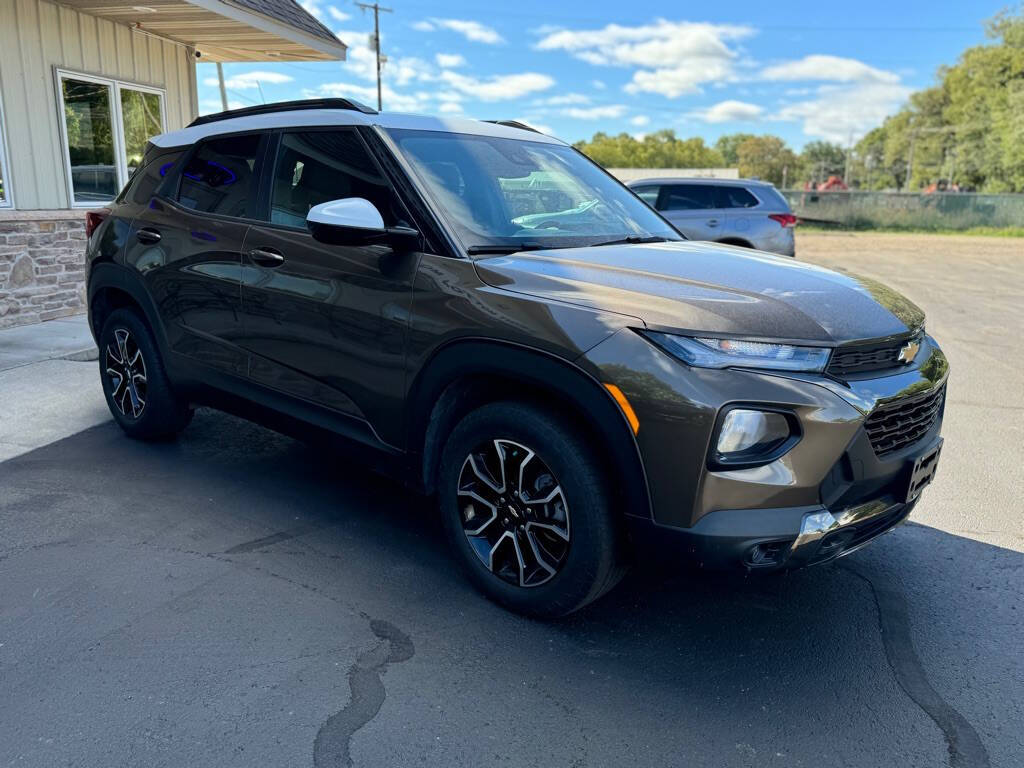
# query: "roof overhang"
219 30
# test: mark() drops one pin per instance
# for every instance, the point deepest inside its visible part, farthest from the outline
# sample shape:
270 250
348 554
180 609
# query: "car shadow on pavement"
902 653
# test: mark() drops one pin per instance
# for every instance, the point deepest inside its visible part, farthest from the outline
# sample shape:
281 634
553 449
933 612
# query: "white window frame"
120 161
5 168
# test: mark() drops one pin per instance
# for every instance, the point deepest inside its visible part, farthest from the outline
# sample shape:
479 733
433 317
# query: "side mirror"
356 221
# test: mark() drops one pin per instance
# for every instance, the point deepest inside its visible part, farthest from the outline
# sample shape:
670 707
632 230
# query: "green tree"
768 158
728 146
967 129
661 149
821 159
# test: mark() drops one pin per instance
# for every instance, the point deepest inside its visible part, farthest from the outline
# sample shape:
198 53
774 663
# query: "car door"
187 245
692 209
326 323
737 205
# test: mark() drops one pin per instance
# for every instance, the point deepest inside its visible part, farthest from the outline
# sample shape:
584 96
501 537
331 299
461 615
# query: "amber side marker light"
627 409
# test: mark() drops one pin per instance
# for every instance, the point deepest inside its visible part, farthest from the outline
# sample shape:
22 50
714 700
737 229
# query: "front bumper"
830 494
786 537
776 539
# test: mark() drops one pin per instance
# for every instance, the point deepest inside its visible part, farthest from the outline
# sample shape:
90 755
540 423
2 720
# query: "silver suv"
743 212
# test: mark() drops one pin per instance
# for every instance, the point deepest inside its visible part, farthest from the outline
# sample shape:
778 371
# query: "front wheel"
135 384
526 509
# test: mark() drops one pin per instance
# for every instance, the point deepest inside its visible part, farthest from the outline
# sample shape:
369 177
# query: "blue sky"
800 70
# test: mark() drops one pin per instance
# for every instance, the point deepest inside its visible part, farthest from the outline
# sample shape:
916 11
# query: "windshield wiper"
476 250
634 240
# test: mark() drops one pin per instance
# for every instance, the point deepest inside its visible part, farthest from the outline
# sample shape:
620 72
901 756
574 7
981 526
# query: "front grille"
867 357
896 425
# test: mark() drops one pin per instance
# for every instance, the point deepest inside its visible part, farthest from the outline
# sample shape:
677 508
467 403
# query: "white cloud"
249 80
471 30
608 112
830 68
450 107
598 84
338 15
497 87
206 106
728 111
670 58
640 121
393 100
312 7
563 100
449 60
839 113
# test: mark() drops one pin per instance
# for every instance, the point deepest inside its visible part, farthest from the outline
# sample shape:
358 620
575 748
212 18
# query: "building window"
105 129
5 181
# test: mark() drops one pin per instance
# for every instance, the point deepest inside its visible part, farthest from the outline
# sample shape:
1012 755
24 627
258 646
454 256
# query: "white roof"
306 118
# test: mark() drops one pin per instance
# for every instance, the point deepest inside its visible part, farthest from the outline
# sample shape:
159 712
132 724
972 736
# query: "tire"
149 409
556 527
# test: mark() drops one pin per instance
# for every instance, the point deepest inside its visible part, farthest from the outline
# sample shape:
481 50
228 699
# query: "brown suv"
492 318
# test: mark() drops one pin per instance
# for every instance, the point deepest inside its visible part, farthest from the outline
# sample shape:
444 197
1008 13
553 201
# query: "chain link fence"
900 210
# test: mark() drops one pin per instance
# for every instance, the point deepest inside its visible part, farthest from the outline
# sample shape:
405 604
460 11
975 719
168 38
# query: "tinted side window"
648 194
219 177
688 197
735 197
145 181
318 166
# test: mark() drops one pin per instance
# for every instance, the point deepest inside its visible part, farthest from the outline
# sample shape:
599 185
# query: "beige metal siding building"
83 85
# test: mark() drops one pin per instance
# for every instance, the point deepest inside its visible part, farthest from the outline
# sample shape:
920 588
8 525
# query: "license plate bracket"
923 472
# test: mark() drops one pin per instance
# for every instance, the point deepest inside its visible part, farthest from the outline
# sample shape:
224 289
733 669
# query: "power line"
377 9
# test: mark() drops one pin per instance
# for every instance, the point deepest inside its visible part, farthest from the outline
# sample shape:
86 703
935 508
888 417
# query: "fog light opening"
749 437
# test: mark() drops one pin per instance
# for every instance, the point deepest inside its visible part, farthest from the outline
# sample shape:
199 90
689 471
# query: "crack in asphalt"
265 541
334 738
962 741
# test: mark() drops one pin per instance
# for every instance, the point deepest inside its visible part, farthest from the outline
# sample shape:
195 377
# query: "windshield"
511 193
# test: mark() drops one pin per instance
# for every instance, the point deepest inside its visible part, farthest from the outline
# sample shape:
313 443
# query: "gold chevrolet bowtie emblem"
908 351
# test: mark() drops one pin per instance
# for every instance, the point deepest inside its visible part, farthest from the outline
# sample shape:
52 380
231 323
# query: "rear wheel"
526 509
135 384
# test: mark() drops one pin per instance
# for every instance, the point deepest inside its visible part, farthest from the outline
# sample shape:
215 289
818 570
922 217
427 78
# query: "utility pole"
223 90
846 169
377 9
910 161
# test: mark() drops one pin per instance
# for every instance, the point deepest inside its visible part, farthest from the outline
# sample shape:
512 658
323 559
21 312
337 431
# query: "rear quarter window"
147 179
220 177
735 197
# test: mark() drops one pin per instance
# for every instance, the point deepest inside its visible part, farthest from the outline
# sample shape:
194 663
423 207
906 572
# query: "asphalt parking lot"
237 598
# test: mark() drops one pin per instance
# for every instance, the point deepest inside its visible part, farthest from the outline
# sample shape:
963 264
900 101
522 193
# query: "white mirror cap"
356 212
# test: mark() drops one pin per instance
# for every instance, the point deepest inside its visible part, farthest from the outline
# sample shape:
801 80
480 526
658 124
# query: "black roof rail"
514 124
284 106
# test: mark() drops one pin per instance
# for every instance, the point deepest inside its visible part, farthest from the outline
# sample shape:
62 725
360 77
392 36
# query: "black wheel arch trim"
435 395
107 275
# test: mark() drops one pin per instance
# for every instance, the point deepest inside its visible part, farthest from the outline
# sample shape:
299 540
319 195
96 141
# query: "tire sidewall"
592 544
163 414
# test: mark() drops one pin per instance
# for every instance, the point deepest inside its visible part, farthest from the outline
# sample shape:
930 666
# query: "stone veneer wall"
42 266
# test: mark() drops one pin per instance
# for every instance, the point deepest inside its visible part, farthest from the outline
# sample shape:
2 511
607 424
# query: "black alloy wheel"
514 513
126 370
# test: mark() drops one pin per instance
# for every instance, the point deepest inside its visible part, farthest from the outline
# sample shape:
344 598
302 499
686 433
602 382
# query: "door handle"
147 235
266 257
712 222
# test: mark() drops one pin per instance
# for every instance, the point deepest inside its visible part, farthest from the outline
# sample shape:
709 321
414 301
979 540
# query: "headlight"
735 353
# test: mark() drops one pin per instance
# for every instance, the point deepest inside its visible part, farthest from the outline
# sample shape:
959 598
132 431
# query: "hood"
712 288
